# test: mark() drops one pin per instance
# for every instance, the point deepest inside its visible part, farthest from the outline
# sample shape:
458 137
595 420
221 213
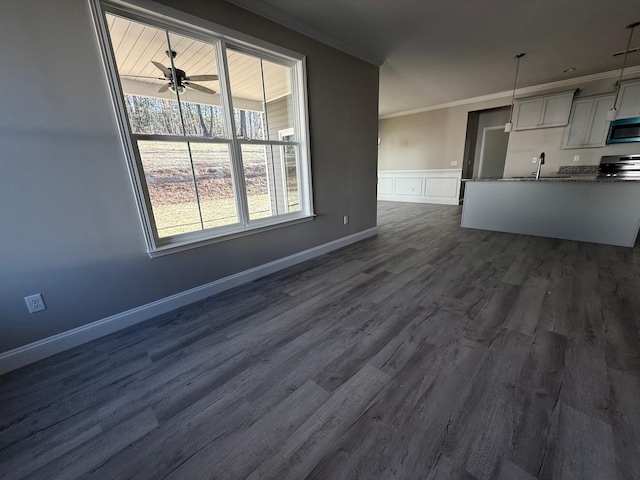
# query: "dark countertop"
558 179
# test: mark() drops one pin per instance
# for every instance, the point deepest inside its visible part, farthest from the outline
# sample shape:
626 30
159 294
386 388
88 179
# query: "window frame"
159 16
285 132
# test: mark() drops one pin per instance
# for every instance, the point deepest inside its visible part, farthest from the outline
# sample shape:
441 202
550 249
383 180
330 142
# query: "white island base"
588 211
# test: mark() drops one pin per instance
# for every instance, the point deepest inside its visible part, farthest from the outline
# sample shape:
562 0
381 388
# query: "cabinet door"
588 124
597 136
556 110
527 113
579 124
629 101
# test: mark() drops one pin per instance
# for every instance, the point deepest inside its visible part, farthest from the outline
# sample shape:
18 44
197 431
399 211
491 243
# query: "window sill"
188 244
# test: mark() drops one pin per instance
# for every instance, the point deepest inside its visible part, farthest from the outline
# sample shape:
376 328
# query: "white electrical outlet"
534 160
345 219
35 303
576 158
454 163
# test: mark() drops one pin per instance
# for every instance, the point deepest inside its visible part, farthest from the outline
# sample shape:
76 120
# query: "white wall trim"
441 186
569 82
47 347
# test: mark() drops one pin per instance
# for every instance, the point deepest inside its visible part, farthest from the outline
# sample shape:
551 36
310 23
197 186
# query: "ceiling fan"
182 80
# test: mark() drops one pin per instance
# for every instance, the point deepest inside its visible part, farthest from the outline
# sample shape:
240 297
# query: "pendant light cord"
515 83
624 61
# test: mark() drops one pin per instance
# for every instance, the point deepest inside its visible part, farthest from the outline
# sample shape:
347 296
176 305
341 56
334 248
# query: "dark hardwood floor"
427 352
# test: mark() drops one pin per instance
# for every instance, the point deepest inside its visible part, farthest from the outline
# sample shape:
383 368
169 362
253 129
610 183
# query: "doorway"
493 152
485 131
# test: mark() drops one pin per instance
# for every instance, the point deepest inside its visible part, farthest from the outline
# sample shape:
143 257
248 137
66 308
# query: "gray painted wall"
70 227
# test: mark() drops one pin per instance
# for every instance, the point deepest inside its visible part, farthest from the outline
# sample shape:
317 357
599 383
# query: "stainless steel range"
620 166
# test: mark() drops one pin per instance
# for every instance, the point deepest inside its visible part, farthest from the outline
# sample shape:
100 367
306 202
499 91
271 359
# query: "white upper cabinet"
588 125
543 112
629 100
527 113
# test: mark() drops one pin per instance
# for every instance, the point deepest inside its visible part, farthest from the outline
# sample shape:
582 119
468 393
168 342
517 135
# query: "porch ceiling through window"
136 45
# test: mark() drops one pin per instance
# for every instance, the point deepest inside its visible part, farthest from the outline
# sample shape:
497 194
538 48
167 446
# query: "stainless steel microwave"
624 130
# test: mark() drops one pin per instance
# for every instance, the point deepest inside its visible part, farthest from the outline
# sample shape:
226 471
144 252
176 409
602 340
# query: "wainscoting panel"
385 186
407 186
420 186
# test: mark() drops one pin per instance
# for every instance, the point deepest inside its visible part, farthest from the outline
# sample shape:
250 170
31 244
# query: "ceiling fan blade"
202 78
163 88
141 76
163 69
200 88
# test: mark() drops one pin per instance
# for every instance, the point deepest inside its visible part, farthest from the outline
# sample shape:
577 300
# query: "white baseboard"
440 186
49 346
419 199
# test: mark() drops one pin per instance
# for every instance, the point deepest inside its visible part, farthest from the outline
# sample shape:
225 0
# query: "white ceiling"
440 51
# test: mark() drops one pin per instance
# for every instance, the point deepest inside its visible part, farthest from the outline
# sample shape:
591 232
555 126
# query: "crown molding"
569 82
271 13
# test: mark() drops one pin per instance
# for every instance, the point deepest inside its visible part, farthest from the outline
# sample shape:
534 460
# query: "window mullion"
237 167
268 149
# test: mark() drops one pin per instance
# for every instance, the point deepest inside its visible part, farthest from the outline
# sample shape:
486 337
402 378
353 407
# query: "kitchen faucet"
540 163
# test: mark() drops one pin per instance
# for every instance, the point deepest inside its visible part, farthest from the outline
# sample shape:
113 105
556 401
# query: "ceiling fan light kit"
182 81
613 112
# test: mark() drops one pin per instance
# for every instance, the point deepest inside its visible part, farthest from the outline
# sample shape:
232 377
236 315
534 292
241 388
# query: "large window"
216 130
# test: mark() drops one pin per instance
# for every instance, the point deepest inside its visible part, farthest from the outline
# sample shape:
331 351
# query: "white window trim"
282 134
152 13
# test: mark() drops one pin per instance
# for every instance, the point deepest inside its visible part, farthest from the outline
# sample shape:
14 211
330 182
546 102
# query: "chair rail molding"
440 186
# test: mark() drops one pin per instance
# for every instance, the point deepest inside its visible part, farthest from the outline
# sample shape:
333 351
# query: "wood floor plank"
621 315
23 457
306 447
586 385
489 321
444 353
367 346
484 425
625 392
445 469
238 454
583 449
218 412
83 459
407 422
509 471
525 311
536 395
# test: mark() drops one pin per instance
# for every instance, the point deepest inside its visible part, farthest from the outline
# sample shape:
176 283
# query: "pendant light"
509 125
611 114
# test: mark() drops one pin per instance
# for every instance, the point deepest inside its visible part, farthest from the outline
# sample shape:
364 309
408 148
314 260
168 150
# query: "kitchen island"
588 210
